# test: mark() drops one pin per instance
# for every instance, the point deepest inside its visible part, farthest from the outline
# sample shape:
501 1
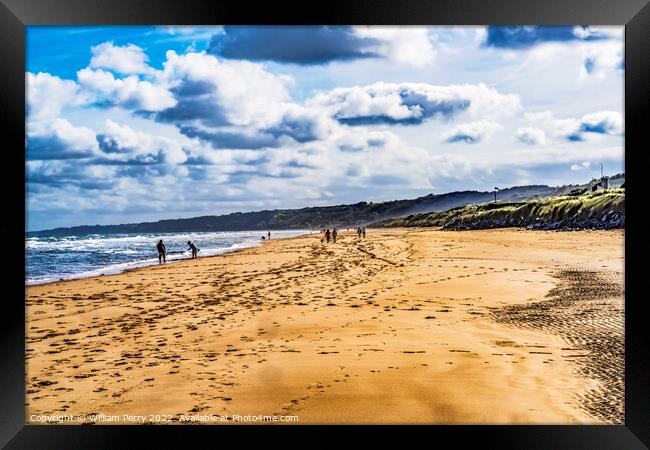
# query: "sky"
128 124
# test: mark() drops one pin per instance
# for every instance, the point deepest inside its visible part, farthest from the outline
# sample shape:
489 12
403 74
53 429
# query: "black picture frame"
16 14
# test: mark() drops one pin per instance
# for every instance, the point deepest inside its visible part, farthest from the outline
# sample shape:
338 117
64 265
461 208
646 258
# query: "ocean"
54 258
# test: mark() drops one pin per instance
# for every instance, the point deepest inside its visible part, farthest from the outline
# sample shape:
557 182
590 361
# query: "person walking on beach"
269 235
363 231
327 235
161 252
193 248
359 232
334 233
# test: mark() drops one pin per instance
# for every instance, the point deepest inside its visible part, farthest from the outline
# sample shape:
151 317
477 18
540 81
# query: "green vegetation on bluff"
350 215
599 210
315 217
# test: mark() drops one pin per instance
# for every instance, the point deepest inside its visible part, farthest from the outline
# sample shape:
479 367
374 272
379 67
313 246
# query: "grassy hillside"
350 215
599 210
315 217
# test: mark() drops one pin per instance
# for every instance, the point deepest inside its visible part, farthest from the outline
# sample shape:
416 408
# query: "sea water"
52 258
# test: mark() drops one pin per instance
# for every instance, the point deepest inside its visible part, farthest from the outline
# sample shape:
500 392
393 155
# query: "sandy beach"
503 326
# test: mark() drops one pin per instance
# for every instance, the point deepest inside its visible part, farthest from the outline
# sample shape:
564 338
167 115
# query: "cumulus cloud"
62 175
412 103
117 144
59 139
211 92
404 45
47 95
366 141
236 104
602 122
123 144
471 133
578 129
128 59
554 128
302 124
129 92
231 139
531 136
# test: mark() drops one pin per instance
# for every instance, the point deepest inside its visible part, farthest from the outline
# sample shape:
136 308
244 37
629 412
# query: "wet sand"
407 326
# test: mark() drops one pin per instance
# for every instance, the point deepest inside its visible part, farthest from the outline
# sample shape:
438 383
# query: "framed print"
244 218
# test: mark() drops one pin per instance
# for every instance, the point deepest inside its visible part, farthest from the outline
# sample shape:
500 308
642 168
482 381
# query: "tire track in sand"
586 309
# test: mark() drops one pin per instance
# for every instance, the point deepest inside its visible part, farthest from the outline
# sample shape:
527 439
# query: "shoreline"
405 326
261 243
81 275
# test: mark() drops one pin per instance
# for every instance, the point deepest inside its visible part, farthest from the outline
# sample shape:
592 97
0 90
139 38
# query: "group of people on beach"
162 250
329 235
361 232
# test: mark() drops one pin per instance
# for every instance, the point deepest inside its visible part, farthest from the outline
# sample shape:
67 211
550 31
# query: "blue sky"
129 124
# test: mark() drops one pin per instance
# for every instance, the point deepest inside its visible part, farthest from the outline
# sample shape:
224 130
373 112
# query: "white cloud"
128 144
47 95
555 128
582 166
599 32
59 139
75 137
600 58
604 122
245 92
480 34
406 45
129 92
128 59
472 132
531 136
408 102
587 127
191 33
